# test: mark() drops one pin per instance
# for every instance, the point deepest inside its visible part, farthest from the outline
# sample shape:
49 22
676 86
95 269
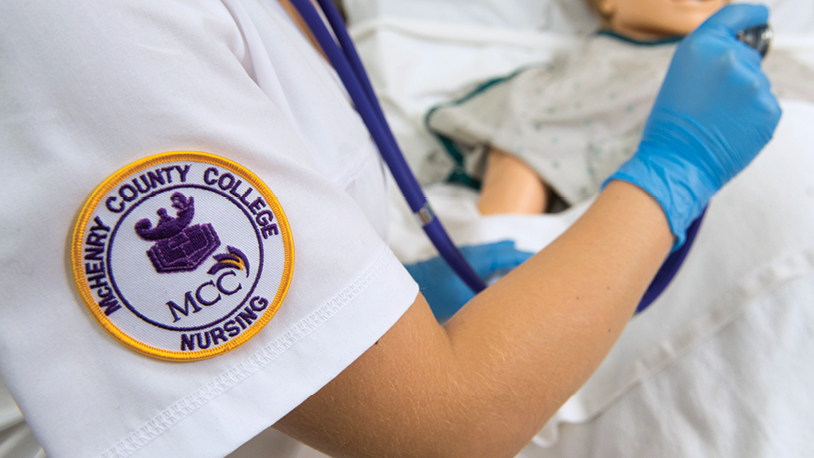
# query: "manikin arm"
511 186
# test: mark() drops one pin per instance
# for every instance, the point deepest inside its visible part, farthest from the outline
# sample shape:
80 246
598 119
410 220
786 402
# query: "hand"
713 115
445 292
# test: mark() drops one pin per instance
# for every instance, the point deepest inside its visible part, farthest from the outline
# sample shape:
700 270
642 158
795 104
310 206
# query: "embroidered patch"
182 256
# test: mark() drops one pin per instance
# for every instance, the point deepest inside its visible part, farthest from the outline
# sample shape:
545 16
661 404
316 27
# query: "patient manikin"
555 133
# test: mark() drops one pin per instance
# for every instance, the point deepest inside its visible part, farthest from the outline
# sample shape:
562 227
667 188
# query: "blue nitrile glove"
445 292
713 115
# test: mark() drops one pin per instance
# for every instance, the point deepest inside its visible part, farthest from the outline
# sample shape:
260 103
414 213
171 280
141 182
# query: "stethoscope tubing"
349 67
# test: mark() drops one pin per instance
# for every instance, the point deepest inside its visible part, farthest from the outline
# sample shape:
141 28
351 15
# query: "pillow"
560 16
563 16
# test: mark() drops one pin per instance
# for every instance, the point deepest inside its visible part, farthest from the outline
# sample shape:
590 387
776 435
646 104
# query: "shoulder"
92 94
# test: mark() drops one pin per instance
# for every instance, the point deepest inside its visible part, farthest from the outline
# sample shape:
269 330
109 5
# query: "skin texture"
484 383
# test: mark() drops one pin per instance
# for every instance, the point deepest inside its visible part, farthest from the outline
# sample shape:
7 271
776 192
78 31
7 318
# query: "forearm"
484 384
558 315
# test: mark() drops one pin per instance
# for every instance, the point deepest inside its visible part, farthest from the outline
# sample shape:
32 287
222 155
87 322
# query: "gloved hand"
445 292
713 115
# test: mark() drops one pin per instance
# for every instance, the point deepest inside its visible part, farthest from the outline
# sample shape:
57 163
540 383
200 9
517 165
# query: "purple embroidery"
179 247
235 259
167 226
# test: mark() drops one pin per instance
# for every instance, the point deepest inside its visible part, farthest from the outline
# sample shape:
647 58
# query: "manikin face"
652 19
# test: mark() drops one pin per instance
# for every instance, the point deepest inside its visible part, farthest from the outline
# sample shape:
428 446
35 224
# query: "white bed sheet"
717 366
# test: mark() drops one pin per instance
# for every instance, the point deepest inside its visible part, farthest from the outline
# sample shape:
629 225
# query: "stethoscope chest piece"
759 37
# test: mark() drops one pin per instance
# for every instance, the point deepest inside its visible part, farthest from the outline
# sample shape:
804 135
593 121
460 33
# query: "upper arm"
383 403
409 395
91 88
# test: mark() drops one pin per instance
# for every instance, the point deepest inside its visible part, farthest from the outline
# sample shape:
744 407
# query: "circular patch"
182 255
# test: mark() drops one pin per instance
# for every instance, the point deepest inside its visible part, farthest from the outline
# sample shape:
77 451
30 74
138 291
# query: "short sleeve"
90 88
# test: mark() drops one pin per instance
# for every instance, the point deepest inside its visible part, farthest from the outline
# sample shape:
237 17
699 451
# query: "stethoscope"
348 66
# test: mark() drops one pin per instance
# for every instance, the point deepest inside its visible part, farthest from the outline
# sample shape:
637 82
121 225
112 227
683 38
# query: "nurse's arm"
488 380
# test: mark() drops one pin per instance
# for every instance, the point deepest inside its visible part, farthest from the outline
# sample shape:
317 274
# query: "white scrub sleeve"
90 87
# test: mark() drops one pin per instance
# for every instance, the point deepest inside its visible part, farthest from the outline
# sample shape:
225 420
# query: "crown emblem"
179 247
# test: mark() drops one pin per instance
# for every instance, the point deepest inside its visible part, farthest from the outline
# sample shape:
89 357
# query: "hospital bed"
719 365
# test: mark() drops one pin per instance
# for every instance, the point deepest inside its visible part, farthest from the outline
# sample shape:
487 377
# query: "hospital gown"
576 119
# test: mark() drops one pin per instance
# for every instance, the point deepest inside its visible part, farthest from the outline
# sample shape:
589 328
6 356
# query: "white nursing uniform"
90 87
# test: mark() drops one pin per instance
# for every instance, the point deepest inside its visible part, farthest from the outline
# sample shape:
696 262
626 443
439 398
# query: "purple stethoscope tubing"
349 67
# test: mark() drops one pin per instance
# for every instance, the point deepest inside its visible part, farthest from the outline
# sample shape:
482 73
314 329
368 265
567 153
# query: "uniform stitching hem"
225 381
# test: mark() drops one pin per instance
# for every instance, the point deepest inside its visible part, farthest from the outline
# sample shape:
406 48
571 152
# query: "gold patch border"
90 207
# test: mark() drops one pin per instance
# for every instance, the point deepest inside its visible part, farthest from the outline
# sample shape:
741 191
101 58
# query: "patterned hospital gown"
576 119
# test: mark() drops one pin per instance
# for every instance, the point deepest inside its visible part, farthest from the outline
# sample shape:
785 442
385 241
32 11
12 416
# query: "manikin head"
654 19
